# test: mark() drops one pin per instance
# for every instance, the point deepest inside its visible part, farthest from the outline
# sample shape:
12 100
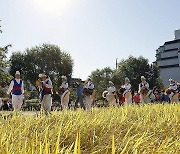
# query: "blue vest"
143 85
46 91
17 88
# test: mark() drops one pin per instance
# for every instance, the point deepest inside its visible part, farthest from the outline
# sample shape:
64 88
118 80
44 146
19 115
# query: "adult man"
46 93
173 87
111 94
88 98
79 98
126 86
65 96
17 89
127 92
143 86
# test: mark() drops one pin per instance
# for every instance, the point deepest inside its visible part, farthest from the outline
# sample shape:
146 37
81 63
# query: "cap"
171 80
143 78
127 79
63 77
17 73
40 75
110 82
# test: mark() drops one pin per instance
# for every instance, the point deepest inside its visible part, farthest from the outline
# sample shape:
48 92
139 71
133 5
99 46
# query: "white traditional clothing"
174 89
46 95
110 96
127 86
143 84
90 85
88 98
144 98
65 95
16 87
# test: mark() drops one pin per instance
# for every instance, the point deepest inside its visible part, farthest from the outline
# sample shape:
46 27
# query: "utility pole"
116 63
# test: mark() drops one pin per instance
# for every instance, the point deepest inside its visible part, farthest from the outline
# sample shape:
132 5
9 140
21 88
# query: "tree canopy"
101 79
46 58
133 68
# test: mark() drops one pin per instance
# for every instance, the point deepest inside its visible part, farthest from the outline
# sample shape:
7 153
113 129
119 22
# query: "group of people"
144 94
86 94
45 86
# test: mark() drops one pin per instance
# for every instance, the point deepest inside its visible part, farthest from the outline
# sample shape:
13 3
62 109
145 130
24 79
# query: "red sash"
16 88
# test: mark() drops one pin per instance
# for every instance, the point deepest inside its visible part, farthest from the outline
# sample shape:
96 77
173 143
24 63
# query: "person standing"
111 93
143 85
16 88
88 98
39 83
174 96
127 87
65 93
136 98
46 93
79 98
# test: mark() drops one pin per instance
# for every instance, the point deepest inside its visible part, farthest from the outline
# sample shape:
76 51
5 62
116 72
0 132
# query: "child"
136 98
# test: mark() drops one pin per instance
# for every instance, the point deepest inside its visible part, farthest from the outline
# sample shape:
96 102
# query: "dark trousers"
79 99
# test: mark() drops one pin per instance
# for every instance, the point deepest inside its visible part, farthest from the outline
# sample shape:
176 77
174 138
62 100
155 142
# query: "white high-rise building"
168 59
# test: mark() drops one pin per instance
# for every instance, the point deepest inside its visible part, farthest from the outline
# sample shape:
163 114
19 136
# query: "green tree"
46 58
134 68
4 75
101 79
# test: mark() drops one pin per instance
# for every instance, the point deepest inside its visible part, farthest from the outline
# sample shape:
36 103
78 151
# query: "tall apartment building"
168 59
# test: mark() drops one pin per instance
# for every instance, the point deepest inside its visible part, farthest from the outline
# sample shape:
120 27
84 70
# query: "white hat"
110 82
63 77
40 75
143 78
127 79
43 75
17 73
89 78
171 80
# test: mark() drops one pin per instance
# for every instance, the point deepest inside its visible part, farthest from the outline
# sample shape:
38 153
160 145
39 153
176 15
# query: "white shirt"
90 85
49 84
143 84
127 86
173 86
111 89
12 85
64 85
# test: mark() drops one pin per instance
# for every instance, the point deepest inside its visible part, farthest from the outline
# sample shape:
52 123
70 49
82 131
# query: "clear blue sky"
94 32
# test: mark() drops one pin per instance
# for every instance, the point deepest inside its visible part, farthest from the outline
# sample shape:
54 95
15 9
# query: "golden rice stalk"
113 145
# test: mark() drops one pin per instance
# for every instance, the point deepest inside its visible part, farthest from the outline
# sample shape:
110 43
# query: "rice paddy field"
143 129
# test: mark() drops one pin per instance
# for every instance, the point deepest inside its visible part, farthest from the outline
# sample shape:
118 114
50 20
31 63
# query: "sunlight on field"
132 129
